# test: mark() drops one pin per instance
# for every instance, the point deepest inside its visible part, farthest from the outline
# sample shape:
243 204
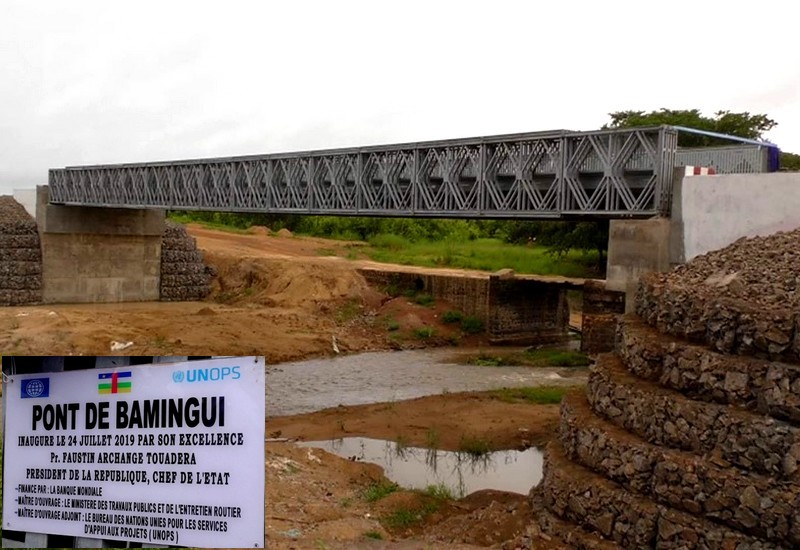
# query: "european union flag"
35 387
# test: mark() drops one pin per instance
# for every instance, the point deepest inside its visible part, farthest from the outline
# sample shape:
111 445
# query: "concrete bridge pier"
636 247
96 255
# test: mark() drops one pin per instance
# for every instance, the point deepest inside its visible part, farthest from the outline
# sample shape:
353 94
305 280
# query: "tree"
743 124
564 236
790 162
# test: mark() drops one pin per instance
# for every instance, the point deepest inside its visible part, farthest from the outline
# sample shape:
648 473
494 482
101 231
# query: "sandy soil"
274 296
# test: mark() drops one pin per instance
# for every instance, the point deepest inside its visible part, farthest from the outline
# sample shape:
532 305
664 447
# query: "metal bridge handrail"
460 142
724 136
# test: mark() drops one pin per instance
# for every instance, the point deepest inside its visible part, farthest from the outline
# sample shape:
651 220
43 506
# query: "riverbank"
319 500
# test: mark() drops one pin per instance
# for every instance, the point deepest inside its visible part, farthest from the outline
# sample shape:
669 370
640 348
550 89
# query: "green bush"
472 324
452 316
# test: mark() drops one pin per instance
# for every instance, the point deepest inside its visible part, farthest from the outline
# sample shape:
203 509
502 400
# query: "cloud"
89 82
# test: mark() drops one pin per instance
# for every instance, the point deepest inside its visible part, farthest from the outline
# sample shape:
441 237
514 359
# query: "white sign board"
168 454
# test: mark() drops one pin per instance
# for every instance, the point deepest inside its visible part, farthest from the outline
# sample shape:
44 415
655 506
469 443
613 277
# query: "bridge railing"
621 173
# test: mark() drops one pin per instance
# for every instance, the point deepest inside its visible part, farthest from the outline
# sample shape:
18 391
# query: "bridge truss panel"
620 173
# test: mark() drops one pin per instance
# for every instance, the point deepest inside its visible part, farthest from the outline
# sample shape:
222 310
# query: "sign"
168 454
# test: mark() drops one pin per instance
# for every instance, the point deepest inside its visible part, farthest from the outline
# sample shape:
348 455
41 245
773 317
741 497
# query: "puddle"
461 473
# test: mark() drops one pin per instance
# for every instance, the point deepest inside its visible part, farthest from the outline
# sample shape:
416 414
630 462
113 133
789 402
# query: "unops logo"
215 374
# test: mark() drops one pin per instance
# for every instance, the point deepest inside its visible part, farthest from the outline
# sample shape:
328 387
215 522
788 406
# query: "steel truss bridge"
609 173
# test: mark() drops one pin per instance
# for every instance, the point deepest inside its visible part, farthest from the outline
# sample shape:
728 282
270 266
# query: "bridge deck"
611 173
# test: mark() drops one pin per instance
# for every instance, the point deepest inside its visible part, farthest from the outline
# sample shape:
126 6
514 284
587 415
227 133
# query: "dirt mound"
284 233
283 283
259 230
763 271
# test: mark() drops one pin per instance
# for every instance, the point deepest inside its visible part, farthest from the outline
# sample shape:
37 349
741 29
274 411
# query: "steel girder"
614 173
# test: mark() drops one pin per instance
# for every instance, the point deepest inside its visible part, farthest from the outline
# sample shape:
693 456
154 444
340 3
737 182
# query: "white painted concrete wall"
27 198
711 212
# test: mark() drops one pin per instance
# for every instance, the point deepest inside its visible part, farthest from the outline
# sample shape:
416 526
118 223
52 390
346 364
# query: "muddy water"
460 473
307 386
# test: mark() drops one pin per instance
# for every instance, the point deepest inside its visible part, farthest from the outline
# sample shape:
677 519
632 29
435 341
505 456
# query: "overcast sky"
87 82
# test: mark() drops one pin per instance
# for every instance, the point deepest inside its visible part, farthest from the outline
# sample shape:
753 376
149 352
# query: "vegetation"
487 245
402 518
439 492
744 125
379 490
531 358
724 122
790 162
373 535
432 438
546 395
474 446
490 254
452 316
472 324
424 333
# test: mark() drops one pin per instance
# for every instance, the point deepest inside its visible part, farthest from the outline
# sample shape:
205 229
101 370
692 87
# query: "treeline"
562 236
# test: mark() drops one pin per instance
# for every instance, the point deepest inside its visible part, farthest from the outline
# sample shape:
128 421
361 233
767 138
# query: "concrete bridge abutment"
95 255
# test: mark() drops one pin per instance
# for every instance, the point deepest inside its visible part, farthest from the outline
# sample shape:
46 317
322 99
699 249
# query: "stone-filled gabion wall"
689 435
184 276
20 256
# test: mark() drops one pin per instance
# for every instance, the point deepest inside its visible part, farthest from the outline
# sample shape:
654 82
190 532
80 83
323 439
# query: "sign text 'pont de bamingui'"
165 453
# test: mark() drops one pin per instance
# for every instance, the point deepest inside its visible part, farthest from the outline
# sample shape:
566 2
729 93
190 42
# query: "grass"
401 442
480 254
451 317
544 395
439 492
348 311
424 300
392 325
472 324
474 446
186 218
402 518
433 496
557 358
432 438
453 248
423 333
375 535
379 490
532 358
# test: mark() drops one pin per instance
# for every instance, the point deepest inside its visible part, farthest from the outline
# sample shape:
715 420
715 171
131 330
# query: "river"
311 385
